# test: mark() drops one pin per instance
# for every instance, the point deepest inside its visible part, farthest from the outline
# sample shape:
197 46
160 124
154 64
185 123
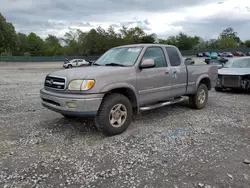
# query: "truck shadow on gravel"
86 126
72 126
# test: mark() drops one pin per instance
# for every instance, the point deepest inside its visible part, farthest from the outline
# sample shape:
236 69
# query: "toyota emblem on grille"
51 81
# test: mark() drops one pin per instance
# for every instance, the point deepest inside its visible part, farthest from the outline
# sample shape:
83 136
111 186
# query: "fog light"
71 104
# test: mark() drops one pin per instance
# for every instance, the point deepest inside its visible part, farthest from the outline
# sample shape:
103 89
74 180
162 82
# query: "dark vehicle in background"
235 74
248 54
206 54
238 53
226 54
218 62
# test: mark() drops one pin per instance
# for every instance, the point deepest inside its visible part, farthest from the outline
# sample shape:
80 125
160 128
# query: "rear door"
178 72
153 84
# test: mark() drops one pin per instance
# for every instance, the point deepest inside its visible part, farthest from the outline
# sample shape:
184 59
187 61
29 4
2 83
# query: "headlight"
82 85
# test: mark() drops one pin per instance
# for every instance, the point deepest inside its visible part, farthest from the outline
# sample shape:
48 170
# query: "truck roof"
144 45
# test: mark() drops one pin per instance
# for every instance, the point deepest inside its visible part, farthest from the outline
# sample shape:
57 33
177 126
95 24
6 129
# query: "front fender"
113 86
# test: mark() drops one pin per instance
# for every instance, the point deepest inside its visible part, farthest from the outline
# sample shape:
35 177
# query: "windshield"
238 63
124 56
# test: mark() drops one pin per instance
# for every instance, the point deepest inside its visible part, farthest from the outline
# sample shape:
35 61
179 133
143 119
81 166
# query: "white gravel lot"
174 146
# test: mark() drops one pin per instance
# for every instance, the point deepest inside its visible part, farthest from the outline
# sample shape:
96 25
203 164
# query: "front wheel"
199 99
114 115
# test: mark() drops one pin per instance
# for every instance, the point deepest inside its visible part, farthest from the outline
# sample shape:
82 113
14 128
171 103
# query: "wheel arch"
204 80
126 90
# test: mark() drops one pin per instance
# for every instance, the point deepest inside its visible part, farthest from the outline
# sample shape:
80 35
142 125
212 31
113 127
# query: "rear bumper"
71 104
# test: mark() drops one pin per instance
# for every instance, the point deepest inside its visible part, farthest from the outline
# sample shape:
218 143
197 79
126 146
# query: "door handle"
174 71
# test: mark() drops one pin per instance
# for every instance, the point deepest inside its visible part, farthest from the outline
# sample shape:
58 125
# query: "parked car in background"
238 53
206 54
199 54
248 54
219 54
219 61
235 74
125 80
75 63
226 54
222 59
214 55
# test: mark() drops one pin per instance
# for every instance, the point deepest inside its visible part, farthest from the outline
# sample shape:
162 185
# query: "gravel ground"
174 146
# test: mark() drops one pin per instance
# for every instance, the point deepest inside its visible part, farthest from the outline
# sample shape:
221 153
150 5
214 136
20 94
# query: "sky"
205 18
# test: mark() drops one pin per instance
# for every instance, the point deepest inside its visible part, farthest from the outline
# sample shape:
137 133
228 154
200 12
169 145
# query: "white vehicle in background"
75 63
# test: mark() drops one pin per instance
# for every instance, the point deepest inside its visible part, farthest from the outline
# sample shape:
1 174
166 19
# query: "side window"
157 54
174 56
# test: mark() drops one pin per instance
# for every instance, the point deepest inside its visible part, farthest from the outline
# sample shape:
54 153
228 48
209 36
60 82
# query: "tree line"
98 40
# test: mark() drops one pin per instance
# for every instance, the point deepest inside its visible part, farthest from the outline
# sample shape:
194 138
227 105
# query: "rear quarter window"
174 57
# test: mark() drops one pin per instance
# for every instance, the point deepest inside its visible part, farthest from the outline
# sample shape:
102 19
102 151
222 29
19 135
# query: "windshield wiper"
114 64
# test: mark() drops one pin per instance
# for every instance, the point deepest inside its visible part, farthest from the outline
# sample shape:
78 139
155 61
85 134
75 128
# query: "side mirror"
147 63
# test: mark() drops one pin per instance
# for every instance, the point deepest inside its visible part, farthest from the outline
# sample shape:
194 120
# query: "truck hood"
234 71
90 72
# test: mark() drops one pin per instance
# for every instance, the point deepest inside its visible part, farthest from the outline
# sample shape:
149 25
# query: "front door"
153 84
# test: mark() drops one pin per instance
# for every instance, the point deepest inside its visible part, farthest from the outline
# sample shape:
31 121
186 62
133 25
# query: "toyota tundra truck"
127 80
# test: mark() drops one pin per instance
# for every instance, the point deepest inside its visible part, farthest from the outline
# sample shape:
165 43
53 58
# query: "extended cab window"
157 54
174 56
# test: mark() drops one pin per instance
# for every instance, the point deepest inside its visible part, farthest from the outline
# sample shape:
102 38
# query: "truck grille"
55 82
231 81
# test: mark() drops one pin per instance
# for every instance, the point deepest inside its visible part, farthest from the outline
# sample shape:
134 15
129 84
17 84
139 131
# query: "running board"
158 105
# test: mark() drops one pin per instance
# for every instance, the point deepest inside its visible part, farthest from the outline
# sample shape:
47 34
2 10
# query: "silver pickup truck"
126 80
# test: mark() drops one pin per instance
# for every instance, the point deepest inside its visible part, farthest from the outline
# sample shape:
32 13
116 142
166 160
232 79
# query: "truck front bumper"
71 104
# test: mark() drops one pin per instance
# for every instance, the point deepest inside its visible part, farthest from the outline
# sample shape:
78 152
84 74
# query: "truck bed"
197 72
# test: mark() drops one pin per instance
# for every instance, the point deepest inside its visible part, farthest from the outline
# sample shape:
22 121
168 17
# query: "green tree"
213 43
52 46
21 44
36 45
227 42
247 43
7 36
229 32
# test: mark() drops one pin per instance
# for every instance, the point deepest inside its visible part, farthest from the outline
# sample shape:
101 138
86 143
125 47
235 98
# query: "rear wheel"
114 115
199 99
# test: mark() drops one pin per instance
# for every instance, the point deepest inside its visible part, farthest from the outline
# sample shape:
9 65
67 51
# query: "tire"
102 119
194 99
218 89
69 66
